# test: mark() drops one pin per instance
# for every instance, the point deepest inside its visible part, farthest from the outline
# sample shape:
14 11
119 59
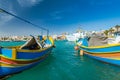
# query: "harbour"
59 39
65 63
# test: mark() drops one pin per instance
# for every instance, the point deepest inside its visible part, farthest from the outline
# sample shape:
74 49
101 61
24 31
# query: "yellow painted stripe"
104 46
19 59
11 65
115 58
14 54
51 39
45 37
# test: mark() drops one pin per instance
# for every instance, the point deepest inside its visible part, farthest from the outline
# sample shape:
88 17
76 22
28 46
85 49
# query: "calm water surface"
65 64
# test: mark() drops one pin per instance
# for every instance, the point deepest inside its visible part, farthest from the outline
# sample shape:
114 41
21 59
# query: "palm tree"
111 30
106 32
117 27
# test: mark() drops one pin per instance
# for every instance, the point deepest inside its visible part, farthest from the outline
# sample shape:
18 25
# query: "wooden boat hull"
107 58
8 69
109 53
10 66
14 60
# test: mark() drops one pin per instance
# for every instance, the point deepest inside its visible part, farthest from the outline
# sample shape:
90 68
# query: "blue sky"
59 15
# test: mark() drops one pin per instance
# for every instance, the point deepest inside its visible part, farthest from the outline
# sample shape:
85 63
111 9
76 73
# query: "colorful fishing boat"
18 58
109 53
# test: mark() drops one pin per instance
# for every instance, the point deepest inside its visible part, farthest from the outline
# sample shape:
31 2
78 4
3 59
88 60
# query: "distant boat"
19 58
109 53
71 37
75 36
115 39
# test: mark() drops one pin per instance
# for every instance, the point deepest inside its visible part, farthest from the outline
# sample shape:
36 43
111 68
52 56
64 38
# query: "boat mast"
2 10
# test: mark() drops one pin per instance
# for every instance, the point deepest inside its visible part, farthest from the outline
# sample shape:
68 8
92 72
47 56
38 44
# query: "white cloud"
28 3
4 18
57 15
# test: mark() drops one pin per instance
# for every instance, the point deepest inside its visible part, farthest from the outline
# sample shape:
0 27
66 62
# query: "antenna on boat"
2 10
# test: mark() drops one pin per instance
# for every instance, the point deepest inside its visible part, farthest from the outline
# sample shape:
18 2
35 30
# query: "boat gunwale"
96 47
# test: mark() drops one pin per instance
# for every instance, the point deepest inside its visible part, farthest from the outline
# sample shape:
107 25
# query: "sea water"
64 63
11 43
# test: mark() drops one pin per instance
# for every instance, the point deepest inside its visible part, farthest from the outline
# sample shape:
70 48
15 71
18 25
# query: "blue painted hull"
10 68
16 59
32 55
24 55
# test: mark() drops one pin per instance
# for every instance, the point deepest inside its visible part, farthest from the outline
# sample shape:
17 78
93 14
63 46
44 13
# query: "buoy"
76 48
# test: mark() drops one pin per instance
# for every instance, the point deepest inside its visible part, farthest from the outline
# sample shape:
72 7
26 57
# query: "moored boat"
100 50
18 58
